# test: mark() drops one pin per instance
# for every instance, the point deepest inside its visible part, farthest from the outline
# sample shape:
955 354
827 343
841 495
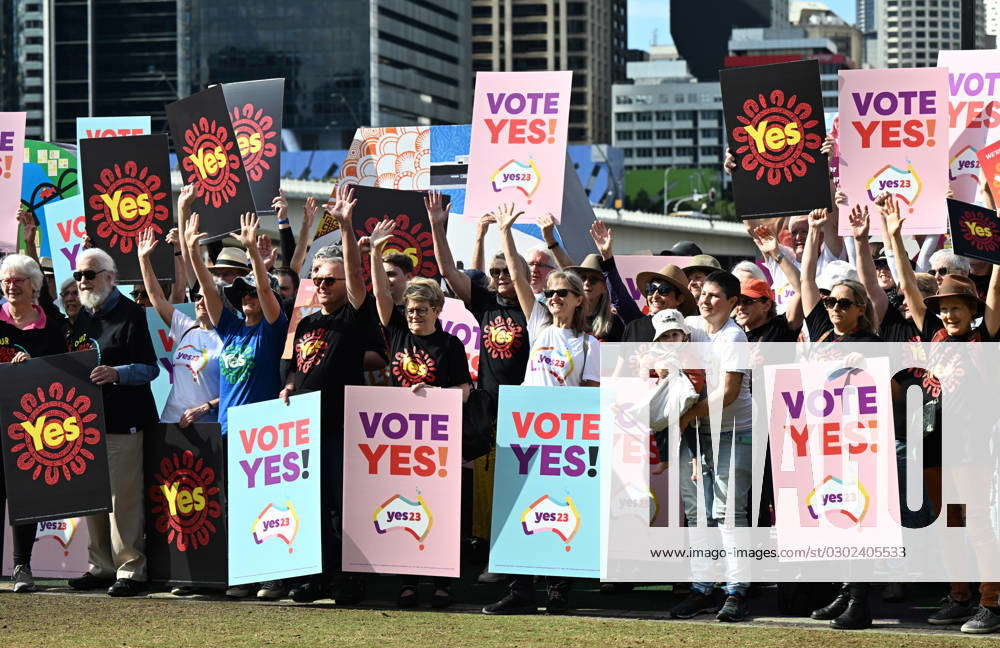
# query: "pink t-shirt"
37 324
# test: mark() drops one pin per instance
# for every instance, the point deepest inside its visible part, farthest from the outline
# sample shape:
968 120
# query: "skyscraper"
912 32
701 29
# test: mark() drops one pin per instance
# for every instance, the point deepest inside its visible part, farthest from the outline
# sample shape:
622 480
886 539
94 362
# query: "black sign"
208 157
127 191
55 455
975 231
775 127
186 504
255 108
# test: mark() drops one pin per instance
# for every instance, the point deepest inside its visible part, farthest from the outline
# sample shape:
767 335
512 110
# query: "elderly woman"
69 297
26 331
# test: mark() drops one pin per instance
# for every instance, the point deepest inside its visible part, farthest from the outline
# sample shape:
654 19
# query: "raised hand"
729 162
827 146
186 198
146 242
859 222
280 205
381 234
817 218
950 193
309 213
192 236
881 199
604 239
29 226
343 206
437 211
547 223
892 220
506 215
249 224
840 197
484 224
267 250
173 237
765 240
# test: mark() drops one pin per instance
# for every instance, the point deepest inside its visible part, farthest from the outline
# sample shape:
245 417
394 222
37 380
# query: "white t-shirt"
738 416
558 358
196 368
783 291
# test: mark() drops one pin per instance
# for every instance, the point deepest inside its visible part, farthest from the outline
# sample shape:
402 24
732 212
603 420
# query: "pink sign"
11 163
60 549
518 146
629 268
973 114
402 480
456 319
894 137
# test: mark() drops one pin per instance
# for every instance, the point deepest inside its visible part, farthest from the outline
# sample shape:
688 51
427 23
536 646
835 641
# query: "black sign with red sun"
55 456
126 193
775 128
975 231
186 504
255 109
413 229
208 156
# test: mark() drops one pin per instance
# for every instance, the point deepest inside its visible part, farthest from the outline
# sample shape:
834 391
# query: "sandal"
442 598
408 597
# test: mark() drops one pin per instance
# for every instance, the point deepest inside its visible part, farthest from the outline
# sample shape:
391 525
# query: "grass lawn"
75 621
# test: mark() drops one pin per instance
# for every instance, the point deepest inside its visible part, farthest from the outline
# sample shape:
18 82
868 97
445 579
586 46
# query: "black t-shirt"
982 283
49 340
896 328
437 359
503 349
639 330
775 329
934 331
821 329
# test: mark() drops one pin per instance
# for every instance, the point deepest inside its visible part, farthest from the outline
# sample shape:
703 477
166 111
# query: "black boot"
857 616
834 609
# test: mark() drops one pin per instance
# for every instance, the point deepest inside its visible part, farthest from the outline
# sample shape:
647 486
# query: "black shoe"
857 616
309 591
441 598
408 597
834 609
558 602
952 612
126 587
616 588
733 610
90 582
349 591
987 620
696 603
511 604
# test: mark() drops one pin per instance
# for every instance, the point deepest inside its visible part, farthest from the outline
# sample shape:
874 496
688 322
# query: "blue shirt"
249 361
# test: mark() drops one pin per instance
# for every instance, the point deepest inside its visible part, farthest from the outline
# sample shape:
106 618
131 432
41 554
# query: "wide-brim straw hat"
676 278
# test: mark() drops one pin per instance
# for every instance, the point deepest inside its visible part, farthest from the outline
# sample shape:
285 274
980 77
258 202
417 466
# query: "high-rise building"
912 32
779 13
992 17
820 21
589 37
346 64
865 21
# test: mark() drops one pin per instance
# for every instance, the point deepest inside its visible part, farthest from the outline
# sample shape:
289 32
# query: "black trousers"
24 534
523 586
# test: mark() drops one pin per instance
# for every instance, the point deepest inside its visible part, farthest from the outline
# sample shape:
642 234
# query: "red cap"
756 288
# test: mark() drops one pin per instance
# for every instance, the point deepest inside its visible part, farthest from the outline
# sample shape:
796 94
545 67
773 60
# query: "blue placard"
163 345
65 226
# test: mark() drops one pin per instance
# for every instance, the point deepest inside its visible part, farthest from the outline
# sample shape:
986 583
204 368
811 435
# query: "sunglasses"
496 272
561 292
750 301
326 281
940 272
663 289
832 302
89 275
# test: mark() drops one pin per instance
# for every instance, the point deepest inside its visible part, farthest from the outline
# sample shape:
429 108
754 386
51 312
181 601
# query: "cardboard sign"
60 549
893 137
255 109
975 231
775 126
456 319
54 451
402 480
163 347
127 193
94 127
974 114
185 504
518 149
209 158
273 486
48 176
546 498
65 227
11 165
989 160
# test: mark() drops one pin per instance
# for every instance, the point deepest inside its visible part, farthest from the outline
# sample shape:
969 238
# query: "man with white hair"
541 263
114 325
945 262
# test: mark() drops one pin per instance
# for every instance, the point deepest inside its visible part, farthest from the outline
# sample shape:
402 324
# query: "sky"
647 16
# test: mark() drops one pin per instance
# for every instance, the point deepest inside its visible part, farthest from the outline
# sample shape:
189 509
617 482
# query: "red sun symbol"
252 130
412 366
310 350
783 144
7 353
210 162
502 337
127 201
978 223
185 501
59 420
412 240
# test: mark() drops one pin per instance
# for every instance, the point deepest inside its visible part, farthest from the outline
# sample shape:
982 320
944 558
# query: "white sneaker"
23 581
239 591
272 590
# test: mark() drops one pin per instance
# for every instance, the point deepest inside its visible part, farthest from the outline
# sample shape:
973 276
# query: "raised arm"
285 237
547 223
810 259
865 263
146 244
184 202
604 240
179 287
506 217
342 210
269 306
478 256
380 280
192 238
892 231
437 213
992 315
831 237
306 235
767 242
29 230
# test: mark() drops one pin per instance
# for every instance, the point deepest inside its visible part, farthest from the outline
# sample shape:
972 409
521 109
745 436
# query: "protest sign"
163 347
546 498
273 488
94 127
456 319
306 303
65 228
892 138
629 267
60 549
402 480
975 231
775 127
49 175
209 158
126 193
412 235
974 115
54 451
255 109
518 148
11 165
989 161
185 504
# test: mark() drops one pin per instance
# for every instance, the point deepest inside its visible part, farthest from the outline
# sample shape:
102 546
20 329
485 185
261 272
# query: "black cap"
683 248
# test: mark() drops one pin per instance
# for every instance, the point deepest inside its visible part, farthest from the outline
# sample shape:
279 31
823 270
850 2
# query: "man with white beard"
114 325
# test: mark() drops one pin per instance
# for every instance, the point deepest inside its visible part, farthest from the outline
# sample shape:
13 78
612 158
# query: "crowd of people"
542 315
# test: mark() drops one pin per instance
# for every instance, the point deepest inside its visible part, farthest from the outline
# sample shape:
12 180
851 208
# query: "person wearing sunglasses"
603 323
946 262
